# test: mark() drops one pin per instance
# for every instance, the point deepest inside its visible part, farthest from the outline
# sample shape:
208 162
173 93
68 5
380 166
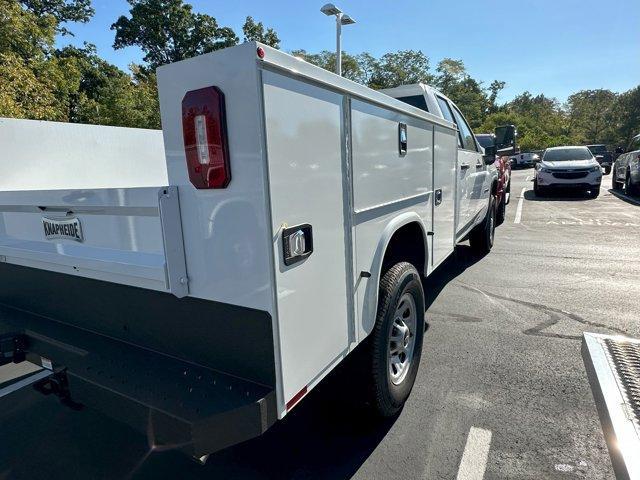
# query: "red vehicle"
503 167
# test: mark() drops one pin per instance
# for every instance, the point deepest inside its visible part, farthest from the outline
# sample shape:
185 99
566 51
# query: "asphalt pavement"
501 392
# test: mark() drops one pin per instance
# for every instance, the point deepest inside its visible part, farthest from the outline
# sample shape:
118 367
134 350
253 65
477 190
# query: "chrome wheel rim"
402 339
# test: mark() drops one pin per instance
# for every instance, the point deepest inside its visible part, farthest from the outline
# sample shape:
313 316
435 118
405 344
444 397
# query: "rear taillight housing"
204 130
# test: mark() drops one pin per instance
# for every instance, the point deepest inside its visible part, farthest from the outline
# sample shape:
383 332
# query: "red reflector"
260 52
204 130
296 398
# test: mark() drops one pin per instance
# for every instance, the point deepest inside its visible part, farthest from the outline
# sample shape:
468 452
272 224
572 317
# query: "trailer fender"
370 303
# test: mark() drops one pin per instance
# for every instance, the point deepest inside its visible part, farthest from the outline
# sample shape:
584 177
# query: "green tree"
63 11
106 95
255 32
626 114
467 93
33 82
401 68
168 31
589 113
327 60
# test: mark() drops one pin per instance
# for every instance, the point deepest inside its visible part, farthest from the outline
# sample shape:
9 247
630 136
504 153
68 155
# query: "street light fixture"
341 19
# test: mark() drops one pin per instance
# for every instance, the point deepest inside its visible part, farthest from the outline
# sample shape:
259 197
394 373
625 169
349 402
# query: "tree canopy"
168 31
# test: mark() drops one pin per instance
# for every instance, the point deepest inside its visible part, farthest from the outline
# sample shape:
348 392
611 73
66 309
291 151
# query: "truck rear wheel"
396 340
481 238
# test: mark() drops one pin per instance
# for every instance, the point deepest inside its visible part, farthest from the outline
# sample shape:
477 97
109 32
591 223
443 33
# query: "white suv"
563 168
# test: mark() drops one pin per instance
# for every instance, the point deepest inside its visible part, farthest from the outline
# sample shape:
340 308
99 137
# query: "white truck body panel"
40 155
229 254
385 187
304 147
112 180
474 178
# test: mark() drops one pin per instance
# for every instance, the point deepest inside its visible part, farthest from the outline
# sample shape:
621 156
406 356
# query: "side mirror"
489 156
506 139
619 150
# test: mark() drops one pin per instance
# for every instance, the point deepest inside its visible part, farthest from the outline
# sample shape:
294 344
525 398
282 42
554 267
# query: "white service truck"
198 282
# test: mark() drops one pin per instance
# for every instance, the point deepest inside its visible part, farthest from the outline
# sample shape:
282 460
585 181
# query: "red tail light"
204 131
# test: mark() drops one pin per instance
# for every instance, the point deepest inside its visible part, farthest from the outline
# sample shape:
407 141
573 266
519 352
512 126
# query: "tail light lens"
204 131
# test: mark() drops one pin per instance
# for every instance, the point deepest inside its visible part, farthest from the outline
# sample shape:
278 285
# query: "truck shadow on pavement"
326 436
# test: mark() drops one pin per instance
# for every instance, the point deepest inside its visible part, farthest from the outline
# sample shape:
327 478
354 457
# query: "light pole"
341 19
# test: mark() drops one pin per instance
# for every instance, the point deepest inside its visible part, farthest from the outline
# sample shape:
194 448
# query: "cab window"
468 141
417 101
448 115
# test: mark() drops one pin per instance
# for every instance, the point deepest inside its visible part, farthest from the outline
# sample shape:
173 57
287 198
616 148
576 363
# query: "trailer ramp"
613 369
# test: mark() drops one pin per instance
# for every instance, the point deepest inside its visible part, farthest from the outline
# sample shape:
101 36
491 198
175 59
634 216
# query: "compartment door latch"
297 243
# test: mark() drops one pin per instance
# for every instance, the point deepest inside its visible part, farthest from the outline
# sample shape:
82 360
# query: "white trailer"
202 282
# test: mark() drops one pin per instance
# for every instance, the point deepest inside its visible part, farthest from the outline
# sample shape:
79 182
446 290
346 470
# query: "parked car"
568 168
537 156
503 167
603 156
626 168
526 159
209 276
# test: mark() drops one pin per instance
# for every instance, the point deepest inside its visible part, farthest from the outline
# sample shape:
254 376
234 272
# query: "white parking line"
476 452
519 209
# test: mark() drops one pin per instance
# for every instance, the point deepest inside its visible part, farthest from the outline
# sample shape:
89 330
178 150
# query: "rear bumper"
177 404
569 186
548 180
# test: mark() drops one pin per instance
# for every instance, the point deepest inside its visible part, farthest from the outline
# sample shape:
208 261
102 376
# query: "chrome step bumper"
613 369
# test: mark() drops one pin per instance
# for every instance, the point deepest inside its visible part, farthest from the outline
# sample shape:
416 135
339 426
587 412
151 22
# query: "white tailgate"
123 236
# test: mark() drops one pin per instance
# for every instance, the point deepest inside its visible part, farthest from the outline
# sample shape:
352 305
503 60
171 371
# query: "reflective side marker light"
296 398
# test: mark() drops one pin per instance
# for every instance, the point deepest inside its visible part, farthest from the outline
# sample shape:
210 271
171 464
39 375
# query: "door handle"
438 197
464 166
479 164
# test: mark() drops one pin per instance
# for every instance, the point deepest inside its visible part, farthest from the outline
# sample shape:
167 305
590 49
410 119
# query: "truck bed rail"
131 236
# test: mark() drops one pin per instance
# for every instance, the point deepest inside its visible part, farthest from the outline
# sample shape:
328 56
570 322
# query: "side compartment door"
444 185
463 171
305 148
478 177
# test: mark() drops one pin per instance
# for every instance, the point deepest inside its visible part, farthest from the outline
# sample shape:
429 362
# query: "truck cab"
477 178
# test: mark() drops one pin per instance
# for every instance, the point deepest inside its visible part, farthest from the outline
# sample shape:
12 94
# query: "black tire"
387 397
629 187
481 237
607 170
538 190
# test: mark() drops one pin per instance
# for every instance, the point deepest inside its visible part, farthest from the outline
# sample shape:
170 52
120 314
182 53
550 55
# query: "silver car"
626 168
564 168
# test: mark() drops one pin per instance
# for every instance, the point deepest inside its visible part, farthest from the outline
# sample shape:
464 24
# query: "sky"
555 47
